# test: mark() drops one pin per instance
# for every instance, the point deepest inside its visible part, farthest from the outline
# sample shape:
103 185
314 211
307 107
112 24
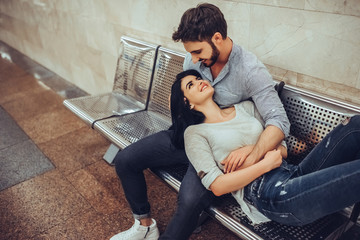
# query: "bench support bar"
111 153
203 217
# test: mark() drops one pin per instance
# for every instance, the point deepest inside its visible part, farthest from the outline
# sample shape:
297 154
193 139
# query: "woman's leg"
324 182
304 199
341 145
153 151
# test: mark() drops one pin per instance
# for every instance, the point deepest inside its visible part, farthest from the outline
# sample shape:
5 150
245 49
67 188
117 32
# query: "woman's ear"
169 102
187 102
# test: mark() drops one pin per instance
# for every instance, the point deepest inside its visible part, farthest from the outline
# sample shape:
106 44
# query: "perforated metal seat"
311 117
131 85
124 130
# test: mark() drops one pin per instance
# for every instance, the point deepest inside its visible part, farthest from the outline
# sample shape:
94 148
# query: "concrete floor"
53 181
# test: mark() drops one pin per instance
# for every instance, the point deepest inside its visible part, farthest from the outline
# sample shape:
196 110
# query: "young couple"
233 145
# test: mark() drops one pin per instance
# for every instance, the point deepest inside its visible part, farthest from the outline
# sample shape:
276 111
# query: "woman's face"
196 90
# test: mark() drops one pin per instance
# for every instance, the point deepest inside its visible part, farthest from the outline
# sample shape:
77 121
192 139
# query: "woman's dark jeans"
326 181
157 151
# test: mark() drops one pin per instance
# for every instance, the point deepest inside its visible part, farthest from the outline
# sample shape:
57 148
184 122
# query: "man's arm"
277 125
249 155
240 178
269 140
261 89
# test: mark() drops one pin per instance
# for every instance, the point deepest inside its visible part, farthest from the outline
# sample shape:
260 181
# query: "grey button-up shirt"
244 77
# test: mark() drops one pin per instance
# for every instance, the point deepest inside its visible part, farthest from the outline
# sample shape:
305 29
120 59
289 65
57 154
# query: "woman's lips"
203 87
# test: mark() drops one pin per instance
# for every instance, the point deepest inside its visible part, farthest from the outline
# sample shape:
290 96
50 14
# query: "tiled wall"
313 44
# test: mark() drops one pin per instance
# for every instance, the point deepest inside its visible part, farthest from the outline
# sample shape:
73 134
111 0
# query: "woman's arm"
244 156
234 161
200 155
239 179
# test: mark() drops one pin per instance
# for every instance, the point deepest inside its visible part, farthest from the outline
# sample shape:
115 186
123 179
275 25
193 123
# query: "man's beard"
214 55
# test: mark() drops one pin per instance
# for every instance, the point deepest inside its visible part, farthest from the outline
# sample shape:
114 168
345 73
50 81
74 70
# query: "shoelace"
147 231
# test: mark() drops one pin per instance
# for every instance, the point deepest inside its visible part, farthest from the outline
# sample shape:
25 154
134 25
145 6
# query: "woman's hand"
272 159
236 158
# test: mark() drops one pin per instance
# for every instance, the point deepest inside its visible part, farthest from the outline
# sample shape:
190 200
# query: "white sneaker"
139 232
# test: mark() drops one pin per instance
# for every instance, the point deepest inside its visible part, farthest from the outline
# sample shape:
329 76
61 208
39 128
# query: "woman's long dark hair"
181 114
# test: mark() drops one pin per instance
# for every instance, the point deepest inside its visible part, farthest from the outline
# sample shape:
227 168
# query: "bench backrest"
134 68
168 64
312 117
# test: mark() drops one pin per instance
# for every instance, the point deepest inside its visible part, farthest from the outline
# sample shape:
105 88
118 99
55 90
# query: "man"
236 75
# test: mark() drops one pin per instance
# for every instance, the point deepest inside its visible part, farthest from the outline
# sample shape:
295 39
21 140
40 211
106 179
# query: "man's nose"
194 59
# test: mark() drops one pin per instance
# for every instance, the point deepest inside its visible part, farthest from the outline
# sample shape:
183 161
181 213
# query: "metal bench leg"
354 216
111 153
202 219
352 219
355 213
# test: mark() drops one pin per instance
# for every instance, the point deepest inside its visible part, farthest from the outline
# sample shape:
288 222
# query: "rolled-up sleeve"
200 155
253 111
262 91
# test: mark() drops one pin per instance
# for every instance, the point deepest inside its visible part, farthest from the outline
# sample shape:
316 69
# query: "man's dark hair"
200 24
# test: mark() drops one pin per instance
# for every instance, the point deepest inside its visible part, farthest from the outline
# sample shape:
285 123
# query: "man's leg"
153 151
192 200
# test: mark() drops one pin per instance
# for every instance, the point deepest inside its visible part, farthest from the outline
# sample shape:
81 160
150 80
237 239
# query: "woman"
323 183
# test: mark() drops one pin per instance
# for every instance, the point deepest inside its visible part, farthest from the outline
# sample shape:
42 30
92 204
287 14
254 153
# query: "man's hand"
247 163
269 139
272 159
236 158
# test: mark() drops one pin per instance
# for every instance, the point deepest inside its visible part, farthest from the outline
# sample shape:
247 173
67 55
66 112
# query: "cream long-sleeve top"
207 144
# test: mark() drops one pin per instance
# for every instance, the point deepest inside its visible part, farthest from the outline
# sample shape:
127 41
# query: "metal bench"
130 89
312 117
127 129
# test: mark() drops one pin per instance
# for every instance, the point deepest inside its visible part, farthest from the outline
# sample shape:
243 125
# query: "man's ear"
217 38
